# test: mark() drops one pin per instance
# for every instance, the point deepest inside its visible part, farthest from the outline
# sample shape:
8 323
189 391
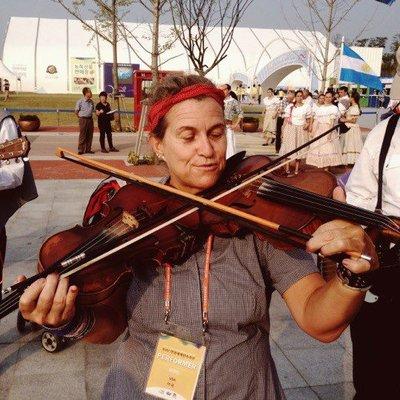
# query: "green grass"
33 101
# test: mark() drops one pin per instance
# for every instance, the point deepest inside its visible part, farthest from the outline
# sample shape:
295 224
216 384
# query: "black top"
104 119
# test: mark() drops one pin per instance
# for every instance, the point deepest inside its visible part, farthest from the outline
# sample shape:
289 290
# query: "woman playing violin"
219 297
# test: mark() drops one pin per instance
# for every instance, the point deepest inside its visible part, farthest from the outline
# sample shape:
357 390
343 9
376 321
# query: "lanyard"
205 287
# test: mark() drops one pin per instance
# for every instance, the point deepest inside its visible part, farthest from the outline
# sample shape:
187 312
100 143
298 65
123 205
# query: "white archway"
280 67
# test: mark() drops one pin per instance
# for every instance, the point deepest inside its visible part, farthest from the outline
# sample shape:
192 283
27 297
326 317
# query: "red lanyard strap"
205 286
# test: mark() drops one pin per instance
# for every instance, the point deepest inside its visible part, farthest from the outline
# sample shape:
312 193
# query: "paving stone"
23 248
8 358
288 375
321 366
345 341
9 333
60 385
278 309
342 391
303 393
32 226
288 335
35 359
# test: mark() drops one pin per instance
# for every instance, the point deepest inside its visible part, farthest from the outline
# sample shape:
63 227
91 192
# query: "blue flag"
355 70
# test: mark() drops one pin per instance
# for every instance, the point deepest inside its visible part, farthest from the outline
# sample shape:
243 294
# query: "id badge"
175 369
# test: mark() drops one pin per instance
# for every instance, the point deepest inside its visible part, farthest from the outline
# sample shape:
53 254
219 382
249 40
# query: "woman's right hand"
48 301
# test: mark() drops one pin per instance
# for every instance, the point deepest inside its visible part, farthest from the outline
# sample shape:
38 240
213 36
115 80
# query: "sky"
261 14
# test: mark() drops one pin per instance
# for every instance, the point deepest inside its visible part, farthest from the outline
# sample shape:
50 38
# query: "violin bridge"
129 220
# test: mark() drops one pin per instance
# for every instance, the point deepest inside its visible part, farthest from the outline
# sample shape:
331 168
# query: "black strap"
391 126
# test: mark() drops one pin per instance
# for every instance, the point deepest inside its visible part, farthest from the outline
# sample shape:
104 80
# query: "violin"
144 225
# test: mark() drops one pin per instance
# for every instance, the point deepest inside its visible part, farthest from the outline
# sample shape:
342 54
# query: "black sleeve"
98 106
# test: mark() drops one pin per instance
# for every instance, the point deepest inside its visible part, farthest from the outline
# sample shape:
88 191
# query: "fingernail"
346 263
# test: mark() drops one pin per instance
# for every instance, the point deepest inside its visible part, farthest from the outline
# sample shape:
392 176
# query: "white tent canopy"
53 55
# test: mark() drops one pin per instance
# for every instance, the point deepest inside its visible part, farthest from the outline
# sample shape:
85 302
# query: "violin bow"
196 201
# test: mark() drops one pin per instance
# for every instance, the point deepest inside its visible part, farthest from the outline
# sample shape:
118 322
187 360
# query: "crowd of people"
297 116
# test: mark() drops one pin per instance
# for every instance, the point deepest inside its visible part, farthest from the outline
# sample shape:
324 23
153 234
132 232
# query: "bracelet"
82 323
358 282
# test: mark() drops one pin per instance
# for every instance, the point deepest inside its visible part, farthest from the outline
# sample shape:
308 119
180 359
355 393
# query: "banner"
125 78
83 73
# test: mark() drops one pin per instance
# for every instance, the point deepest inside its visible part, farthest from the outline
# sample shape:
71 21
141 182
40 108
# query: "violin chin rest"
234 160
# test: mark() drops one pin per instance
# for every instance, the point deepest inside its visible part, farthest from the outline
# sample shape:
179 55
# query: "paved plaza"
307 369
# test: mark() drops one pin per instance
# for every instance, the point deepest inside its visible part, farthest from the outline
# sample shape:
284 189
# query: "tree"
195 19
389 62
377 41
108 25
324 16
155 8
106 16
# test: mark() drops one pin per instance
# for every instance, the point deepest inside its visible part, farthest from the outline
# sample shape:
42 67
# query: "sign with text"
83 73
125 78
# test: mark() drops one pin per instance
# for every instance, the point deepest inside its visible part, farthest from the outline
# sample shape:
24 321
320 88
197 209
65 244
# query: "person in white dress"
352 139
307 98
295 129
233 117
271 104
325 152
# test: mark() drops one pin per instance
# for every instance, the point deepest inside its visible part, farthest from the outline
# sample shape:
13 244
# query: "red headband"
159 109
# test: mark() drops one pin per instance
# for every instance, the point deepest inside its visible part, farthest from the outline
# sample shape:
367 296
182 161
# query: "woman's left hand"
339 236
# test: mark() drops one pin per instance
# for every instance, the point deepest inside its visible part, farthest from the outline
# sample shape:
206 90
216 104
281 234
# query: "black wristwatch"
360 282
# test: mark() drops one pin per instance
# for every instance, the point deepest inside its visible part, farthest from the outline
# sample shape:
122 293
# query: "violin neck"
324 206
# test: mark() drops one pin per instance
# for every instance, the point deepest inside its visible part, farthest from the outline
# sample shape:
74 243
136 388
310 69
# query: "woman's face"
194 144
321 99
328 98
299 98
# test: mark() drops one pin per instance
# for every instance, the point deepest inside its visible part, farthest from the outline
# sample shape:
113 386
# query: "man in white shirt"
374 331
344 99
16 183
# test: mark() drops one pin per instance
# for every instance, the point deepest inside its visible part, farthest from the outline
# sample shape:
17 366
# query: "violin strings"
139 216
327 209
114 230
10 303
343 207
332 204
323 199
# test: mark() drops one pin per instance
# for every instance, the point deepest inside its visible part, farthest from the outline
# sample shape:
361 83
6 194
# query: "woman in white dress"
271 104
295 129
352 139
325 152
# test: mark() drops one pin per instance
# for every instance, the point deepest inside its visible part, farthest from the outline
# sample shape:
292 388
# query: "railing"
51 111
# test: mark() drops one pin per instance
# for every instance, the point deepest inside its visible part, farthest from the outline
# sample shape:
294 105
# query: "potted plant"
29 123
250 124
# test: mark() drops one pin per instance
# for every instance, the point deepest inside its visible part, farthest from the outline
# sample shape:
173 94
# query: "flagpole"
341 58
